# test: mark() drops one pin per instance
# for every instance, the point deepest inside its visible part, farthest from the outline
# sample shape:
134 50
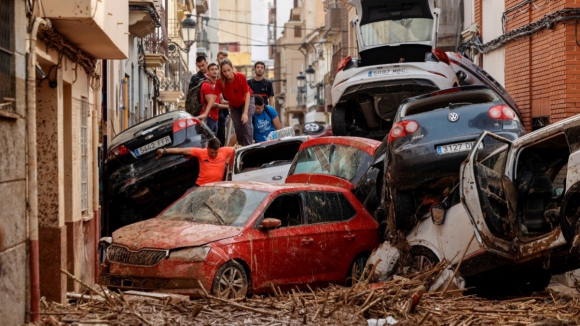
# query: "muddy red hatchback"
233 239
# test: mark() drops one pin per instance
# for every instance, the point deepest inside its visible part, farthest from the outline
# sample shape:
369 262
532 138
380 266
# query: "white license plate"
153 145
456 148
388 72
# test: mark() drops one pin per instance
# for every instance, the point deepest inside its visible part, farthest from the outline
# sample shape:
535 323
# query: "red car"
238 238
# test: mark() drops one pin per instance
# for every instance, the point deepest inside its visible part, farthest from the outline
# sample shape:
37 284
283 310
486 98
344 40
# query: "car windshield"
345 162
407 30
216 205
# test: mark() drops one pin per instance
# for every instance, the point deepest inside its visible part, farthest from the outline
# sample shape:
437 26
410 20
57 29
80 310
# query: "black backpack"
193 104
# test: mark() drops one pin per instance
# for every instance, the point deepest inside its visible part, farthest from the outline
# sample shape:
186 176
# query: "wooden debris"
399 298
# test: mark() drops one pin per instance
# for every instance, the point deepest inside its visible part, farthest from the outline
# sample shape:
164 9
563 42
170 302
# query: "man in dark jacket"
260 85
201 63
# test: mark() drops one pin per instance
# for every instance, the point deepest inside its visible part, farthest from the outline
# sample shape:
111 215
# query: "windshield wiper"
191 211
219 218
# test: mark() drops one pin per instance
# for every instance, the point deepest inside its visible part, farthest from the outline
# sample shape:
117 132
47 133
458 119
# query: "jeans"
221 130
212 125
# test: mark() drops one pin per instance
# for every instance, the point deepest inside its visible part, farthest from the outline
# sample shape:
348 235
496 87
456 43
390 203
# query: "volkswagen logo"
453 117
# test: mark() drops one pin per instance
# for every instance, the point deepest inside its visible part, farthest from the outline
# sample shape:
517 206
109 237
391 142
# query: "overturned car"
513 220
399 58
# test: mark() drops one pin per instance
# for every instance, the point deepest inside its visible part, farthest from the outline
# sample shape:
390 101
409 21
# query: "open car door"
489 195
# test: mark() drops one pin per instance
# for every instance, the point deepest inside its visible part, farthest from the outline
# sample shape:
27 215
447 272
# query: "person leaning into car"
212 160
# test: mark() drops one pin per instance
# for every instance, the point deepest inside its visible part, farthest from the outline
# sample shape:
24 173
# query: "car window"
205 134
345 162
271 155
326 207
216 205
449 100
287 208
397 31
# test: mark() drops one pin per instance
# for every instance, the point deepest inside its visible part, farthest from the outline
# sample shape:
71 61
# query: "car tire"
231 281
359 263
404 209
423 258
570 214
339 121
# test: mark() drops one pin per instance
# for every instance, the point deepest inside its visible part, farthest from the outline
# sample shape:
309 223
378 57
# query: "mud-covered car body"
267 161
513 219
353 163
398 59
138 186
248 236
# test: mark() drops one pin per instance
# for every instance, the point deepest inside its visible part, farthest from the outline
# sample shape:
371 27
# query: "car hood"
320 179
165 234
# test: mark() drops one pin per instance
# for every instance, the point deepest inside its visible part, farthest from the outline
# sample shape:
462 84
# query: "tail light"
117 151
441 56
184 123
343 63
403 128
502 112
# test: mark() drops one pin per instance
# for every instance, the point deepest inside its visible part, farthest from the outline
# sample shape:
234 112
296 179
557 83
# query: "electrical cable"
256 24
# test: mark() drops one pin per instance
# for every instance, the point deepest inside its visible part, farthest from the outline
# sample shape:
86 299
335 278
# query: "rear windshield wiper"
153 125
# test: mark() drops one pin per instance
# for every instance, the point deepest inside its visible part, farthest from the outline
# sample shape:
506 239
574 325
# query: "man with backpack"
265 120
260 85
210 114
201 63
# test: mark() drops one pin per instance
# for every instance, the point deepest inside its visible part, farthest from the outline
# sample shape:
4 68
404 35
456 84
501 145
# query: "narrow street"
306 162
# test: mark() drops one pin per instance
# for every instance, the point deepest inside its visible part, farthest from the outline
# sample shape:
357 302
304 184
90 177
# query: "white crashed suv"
399 58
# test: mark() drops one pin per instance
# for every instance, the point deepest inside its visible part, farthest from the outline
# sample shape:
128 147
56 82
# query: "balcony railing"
336 57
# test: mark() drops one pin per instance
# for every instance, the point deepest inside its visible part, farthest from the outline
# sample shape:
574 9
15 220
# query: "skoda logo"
453 117
149 137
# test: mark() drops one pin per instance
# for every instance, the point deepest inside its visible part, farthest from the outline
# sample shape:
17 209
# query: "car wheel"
231 281
423 259
403 209
340 121
571 213
356 268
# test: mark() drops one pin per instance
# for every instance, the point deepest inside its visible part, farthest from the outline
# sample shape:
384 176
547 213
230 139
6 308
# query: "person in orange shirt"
212 160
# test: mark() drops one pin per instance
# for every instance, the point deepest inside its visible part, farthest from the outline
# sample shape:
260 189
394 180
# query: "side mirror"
438 214
270 223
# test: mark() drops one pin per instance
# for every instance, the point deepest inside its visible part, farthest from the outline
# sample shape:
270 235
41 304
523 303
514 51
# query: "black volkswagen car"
136 185
431 136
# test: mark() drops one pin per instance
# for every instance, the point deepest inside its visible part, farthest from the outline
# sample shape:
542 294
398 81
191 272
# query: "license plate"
388 72
456 148
153 146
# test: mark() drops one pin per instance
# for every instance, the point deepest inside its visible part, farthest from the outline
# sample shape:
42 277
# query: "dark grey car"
432 135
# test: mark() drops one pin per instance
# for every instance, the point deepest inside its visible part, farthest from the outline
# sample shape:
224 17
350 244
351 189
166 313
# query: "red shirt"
206 89
234 92
211 170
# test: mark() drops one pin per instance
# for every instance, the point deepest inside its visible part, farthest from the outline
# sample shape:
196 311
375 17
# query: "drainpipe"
96 188
32 170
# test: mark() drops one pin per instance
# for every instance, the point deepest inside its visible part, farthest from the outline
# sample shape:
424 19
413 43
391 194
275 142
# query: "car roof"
273 187
365 144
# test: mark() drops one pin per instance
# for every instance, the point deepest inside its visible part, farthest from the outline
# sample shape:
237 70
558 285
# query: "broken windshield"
216 205
345 162
407 30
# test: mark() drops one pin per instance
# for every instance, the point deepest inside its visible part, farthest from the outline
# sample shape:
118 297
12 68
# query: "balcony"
143 18
332 20
97 27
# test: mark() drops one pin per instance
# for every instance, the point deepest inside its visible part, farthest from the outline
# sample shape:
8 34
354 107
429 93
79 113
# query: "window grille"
6 53
84 156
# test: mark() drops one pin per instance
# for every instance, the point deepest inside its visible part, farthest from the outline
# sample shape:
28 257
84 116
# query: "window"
297 31
326 207
6 51
84 152
287 208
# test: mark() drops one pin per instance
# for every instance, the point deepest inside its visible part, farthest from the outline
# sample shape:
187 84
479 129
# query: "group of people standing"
225 93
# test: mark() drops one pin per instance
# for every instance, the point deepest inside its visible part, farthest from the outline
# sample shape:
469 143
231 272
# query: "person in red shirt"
234 86
210 114
212 160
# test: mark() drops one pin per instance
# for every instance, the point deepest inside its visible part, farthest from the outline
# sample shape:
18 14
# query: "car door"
335 236
288 262
490 196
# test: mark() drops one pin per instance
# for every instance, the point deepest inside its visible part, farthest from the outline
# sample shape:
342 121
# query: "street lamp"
188 33
310 75
301 83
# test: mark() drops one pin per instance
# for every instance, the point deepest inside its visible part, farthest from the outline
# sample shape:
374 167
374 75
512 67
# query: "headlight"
190 254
